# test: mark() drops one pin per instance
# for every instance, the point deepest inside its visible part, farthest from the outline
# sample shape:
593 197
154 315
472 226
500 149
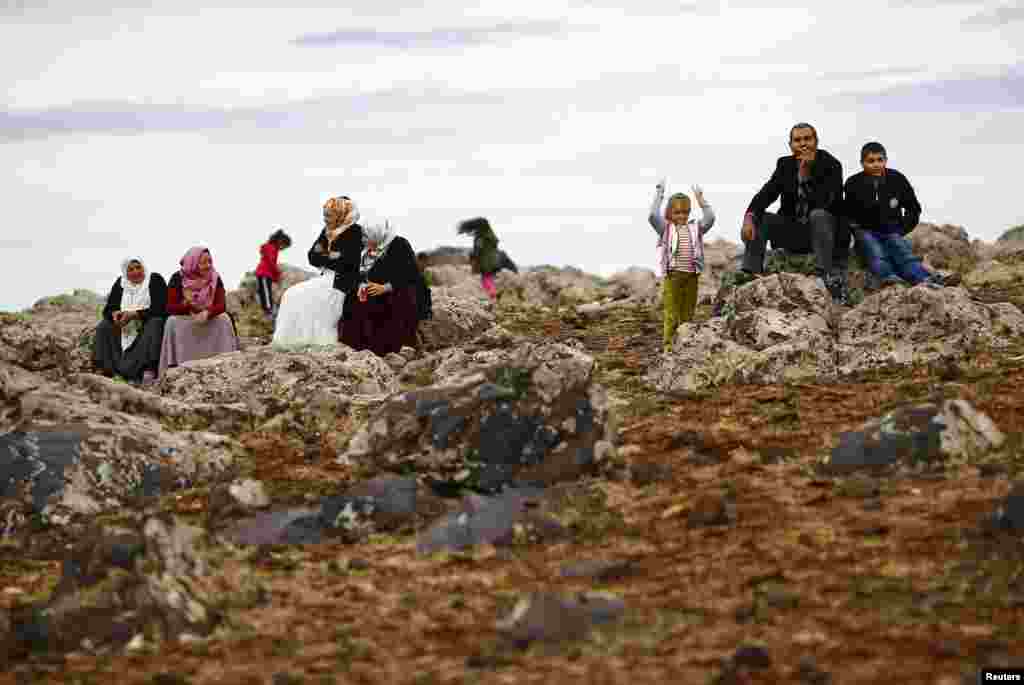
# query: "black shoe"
837 288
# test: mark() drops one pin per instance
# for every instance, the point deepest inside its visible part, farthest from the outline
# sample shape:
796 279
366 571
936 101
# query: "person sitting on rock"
128 338
382 316
267 271
311 311
199 325
810 184
680 254
881 208
484 259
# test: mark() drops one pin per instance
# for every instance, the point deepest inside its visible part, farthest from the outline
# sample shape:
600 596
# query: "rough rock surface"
70 456
925 434
942 246
529 415
54 337
264 381
376 505
120 583
491 520
912 325
777 330
783 328
456 319
551 618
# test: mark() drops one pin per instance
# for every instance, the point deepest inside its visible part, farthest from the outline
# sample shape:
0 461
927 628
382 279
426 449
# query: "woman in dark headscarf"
381 313
199 325
128 339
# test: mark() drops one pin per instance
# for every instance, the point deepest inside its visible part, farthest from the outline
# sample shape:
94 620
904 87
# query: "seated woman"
198 326
383 315
310 311
129 337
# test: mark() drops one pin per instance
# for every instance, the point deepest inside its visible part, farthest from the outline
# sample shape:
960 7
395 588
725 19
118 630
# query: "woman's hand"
201 317
375 289
117 317
186 295
748 231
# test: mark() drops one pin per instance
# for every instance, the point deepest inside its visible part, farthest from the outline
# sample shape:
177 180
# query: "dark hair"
474 226
803 124
279 236
872 147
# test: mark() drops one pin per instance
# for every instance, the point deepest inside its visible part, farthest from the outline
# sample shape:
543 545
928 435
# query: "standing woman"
310 311
382 317
199 325
128 339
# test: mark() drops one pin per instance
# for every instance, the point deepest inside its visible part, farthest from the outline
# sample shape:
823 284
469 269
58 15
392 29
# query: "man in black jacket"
810 185
881 208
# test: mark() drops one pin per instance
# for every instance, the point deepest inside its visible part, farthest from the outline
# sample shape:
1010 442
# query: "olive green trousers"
679 297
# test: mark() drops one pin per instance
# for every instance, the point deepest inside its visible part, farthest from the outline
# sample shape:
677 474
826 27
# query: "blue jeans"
890 254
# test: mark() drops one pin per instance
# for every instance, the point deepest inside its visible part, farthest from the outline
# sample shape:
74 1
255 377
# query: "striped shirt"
682 260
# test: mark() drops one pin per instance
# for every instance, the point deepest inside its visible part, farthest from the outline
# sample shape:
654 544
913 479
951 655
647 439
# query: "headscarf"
202 287
133 298
339 214
382 234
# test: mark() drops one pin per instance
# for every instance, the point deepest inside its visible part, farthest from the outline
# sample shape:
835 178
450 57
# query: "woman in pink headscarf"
198 325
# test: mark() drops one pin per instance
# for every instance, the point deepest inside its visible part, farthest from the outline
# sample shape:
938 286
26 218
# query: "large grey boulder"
68 456
530 414
784 328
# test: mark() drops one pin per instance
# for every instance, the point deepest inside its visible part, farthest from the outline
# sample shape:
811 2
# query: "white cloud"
226 129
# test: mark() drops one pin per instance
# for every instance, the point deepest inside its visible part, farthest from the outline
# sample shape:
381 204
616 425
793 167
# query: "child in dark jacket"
268 273
881 208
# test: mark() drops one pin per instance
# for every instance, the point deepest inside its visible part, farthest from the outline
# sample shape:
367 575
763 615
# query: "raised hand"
698 193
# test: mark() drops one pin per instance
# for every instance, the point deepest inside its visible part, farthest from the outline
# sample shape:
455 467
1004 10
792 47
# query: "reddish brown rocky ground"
872 578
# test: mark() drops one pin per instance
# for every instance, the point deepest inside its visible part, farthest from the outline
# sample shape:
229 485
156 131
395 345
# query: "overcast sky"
146 128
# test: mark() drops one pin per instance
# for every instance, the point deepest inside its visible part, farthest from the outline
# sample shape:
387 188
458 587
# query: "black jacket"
157 299
885 203
827 181
396 266
345 265
505 262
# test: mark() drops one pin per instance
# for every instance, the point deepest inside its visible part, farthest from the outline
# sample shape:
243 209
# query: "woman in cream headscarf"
128 339
310 310
383 315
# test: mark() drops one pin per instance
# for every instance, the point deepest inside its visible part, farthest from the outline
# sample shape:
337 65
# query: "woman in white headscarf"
310 311
382 316
128 338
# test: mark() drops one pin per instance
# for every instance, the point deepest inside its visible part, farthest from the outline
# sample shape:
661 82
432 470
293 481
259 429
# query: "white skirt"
309 313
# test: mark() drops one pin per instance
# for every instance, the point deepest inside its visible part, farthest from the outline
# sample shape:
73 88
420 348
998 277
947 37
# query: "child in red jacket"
267 273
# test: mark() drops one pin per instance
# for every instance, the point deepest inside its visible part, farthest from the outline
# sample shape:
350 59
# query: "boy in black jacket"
881 208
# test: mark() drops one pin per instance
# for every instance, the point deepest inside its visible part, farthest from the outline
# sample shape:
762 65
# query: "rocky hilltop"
797 493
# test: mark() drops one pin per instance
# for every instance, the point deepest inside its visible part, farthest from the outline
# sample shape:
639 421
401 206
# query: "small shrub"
1015 233
516 379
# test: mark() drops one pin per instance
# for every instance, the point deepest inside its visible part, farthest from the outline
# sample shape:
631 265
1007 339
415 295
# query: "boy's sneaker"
947 280
837 288
890 281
